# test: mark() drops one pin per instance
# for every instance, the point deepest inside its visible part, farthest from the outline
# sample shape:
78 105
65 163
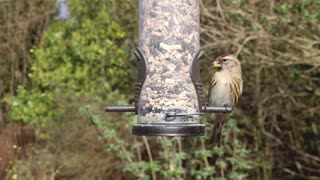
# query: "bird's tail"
215 138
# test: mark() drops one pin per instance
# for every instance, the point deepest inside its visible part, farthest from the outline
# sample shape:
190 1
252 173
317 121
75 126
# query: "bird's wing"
235 87
241 86
212 84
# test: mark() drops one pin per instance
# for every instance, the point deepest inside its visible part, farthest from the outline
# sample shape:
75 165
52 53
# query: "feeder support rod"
131 108
125 108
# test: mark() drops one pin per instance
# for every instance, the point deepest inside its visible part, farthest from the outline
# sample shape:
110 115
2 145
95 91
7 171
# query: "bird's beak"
216 64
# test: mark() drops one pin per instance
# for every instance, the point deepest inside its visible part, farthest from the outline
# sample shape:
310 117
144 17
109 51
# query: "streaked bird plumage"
225 89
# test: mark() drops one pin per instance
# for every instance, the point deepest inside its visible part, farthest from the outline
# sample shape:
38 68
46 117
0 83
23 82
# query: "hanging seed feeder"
168 88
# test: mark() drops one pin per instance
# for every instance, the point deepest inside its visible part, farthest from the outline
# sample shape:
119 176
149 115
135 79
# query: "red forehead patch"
224 55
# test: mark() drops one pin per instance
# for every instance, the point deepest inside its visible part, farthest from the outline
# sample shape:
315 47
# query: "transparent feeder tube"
168 37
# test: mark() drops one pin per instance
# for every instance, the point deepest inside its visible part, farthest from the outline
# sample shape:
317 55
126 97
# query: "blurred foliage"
31 107
21 27
179 158
83 54
278 112
58 81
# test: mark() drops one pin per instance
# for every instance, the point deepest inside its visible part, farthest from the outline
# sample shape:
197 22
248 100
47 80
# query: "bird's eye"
224 60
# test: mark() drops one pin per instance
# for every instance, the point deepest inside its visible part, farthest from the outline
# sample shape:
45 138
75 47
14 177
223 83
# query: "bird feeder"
168 89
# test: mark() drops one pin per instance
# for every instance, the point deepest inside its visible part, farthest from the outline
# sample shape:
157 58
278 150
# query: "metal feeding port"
168 88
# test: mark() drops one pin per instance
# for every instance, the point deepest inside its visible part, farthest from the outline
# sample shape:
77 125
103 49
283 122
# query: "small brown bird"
225 89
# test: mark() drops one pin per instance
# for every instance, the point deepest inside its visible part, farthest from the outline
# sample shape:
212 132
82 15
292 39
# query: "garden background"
58 71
